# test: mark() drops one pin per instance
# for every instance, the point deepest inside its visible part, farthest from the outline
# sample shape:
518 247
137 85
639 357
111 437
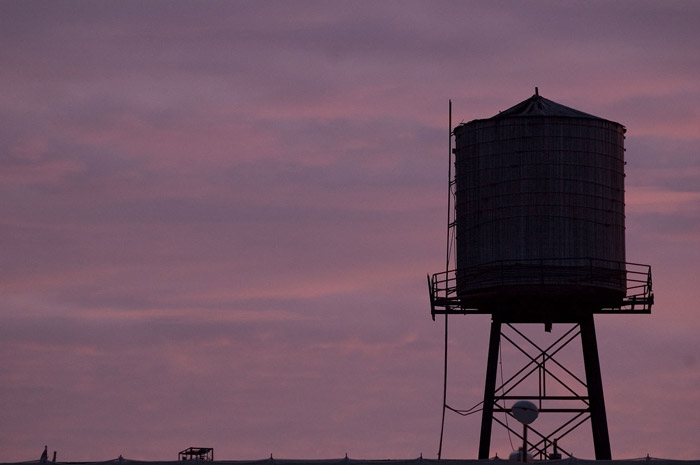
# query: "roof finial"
537 92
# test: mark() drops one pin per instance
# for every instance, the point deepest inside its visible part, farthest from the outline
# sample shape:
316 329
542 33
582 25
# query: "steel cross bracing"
543 364
551 376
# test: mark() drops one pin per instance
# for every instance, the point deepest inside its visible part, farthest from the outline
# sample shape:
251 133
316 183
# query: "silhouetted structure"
540 238
196 453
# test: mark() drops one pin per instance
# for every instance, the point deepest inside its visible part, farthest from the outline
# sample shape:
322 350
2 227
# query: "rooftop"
348 461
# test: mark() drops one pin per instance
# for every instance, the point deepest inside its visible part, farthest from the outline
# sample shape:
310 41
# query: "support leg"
599 422
489 390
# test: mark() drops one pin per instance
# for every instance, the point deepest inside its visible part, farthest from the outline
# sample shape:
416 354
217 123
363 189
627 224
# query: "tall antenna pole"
447 268
449 189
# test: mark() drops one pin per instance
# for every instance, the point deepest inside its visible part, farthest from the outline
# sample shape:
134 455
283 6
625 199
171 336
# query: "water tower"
538 226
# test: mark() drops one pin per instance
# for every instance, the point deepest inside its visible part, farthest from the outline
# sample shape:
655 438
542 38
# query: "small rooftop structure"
196 453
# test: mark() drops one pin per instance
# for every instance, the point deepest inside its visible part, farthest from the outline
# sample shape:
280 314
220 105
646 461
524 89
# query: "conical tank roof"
540 106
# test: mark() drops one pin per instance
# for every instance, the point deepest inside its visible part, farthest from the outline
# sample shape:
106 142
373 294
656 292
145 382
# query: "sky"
216 220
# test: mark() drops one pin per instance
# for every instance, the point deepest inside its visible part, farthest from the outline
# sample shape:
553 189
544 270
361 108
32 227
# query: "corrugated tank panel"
545 190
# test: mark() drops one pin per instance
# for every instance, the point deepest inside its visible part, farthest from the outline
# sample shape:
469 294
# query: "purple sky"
216 219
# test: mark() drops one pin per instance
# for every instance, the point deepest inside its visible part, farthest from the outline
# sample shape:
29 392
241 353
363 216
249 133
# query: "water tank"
539 208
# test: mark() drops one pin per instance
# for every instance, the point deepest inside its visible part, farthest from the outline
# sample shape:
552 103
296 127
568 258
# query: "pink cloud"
217 220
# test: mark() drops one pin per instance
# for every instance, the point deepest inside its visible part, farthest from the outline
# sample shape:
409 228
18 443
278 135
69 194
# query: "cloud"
217 219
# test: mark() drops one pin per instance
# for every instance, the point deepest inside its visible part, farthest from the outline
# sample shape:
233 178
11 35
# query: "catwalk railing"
634 277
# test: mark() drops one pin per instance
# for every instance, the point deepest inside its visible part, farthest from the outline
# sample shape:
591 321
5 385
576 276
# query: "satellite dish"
525 412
